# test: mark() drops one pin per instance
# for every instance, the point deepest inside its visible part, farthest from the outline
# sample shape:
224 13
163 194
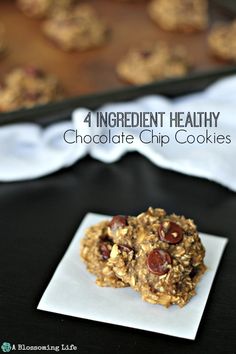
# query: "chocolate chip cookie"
26 87
222 41
79 29
161 257
43 8
180 15
95 252
152 63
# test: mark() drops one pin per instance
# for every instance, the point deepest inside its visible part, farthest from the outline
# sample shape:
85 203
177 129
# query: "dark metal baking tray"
209 70
59 111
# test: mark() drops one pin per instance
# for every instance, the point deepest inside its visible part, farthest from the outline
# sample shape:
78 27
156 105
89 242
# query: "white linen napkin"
28 151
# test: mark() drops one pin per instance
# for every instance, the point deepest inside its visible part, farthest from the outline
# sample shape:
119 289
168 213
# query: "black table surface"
39 218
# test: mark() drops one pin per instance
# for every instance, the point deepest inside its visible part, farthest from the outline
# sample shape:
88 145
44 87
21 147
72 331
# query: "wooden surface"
93 71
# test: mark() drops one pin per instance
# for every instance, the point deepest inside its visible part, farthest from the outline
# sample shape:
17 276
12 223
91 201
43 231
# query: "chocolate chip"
146 53
104 250
107 239
170 232
158 261
32 96
34 72
193 272
118 221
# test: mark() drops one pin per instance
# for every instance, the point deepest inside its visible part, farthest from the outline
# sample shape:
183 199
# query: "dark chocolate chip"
34 72
193 272
170 232
104 250
118 221
146 53
158 261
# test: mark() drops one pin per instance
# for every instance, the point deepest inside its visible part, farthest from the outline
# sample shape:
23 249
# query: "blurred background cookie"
222 41
153 62
42 8
180 15
79 29
27 87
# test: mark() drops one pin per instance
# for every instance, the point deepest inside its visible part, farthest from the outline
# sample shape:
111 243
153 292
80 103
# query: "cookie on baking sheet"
159 255
95 252
152 63
43 8
27 87
222 41
180 15
79 29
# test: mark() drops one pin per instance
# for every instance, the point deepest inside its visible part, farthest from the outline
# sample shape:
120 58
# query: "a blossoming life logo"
6 347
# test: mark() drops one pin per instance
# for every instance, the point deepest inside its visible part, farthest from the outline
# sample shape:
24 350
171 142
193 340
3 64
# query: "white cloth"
28 151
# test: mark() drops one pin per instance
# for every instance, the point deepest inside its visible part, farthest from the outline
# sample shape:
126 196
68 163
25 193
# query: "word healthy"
152 119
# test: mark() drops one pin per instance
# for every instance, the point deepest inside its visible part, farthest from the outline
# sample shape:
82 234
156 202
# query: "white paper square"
72 291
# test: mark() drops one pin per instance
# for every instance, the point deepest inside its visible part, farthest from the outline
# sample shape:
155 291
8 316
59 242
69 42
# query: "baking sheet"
93 72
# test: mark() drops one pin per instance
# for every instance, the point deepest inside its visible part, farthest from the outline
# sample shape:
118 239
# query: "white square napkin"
72 292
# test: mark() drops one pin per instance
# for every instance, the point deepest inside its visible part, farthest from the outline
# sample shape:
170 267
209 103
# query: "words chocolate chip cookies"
160 256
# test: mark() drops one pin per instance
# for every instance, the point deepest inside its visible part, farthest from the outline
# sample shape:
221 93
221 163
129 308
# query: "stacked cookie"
158 255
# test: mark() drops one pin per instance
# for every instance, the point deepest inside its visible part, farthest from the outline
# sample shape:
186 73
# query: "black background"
39 218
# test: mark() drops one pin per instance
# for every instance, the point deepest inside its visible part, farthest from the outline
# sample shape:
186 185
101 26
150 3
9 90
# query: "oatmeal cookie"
180 15
43 8
222 41
152 63
79 29
160 256
95 252
27 87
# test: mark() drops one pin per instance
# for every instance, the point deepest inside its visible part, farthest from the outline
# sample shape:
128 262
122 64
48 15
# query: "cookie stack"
159 255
